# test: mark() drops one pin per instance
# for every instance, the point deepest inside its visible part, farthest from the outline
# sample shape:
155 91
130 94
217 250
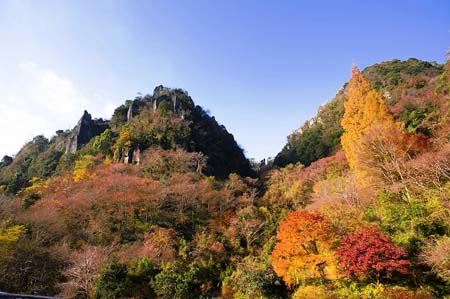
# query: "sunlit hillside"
160 201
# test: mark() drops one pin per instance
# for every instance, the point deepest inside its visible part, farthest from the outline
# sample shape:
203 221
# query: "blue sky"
261 67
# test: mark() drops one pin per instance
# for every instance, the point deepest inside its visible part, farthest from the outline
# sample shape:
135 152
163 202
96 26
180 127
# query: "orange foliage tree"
303 250
386 152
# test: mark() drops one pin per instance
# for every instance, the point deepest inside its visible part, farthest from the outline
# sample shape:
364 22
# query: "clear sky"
260 67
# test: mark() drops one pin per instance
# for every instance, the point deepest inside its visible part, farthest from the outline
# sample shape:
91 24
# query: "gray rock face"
84 131
130 112
131 155
138 105
137 156
6 161
176 100
161 93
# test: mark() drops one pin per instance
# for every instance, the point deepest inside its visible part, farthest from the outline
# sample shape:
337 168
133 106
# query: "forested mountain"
408 88
160 201
167 119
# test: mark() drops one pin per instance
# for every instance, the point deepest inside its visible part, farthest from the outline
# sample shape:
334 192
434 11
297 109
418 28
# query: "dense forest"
161 202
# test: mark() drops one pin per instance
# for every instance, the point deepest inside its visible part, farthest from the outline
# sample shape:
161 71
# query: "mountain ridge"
150 207
388 77
206 135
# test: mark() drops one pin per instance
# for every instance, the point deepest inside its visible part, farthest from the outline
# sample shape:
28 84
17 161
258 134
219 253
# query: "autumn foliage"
386 151
365 107
8 237
292 186
369 254
368 220
304 248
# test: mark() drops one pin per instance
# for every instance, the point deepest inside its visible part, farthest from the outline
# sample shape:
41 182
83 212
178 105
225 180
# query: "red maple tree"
368 253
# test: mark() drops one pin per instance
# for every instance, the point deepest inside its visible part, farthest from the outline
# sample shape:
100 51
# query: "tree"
411 222
292 187
437 255
162 164
165 107
113 282
430 169
344 218
177 281
104 142
83 167
132 280
84 270
254 278
312 292
32 269
303 250
141 272
369 254
385 152
8 237
443 82
251 226
160 245
34 192
364 108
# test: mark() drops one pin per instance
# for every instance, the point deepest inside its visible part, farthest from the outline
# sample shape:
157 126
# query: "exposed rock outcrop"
161 93
6 161
175 100
136 106
84 131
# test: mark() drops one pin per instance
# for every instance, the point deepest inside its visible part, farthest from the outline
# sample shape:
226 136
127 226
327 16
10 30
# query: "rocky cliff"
43 158
84 131
206 135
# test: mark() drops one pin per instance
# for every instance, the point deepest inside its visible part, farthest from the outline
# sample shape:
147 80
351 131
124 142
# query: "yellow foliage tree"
125 141
34 192
364 108
9 236
83 167
37 186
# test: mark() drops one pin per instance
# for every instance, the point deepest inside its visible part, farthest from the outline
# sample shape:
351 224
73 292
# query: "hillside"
409 89
168 119
160 201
